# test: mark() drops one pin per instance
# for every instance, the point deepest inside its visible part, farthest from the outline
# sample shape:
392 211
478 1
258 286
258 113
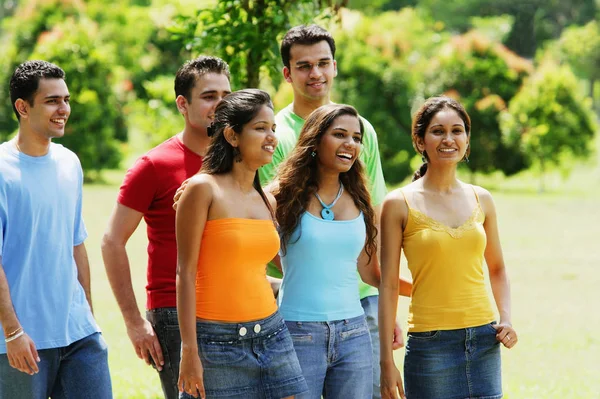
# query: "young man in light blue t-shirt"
52 345
308 55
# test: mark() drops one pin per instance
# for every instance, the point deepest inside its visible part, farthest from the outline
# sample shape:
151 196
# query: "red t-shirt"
149 187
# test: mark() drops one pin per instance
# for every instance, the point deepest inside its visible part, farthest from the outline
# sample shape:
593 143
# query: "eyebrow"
257 122
439 124
341 128
213 92
56 96
306 62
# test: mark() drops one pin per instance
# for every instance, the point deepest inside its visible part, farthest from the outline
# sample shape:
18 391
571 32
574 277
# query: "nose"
315 72
64 108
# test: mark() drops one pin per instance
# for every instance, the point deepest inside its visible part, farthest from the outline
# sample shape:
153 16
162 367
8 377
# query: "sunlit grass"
551 248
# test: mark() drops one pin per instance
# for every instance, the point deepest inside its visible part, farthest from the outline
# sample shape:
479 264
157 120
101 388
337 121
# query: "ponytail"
420 172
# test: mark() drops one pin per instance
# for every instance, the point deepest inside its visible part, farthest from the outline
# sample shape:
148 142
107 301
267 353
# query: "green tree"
549 119
96 118
580 47
246 33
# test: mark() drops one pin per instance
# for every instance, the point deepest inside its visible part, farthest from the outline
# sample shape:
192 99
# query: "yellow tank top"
447 269
231 281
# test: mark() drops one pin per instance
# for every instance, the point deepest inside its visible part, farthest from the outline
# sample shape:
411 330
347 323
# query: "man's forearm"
118 270
8 317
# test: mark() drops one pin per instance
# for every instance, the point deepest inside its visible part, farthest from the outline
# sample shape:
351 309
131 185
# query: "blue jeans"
336 358
166 326
453 364
370 305
79 370
248 360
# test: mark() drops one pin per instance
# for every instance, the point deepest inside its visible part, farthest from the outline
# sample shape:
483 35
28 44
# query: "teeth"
345 155
269 147
58 120
447 149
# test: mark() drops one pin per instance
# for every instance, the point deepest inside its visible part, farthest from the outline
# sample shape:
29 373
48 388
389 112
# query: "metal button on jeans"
243 331
257 328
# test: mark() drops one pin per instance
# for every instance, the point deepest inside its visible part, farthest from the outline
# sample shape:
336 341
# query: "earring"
466 158
237 155
424 157
313 154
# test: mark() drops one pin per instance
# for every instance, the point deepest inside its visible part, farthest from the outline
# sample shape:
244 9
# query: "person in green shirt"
308 55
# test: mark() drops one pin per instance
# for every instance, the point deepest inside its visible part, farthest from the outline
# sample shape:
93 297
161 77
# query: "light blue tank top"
320 282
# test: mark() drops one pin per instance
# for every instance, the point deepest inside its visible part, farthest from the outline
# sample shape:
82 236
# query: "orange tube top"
231 282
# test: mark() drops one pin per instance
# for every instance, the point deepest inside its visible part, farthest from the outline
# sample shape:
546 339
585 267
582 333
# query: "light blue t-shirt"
40 223
319 269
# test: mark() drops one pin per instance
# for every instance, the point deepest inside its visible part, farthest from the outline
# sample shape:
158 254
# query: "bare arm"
392 219
21 352
83 271
121 225
497 269
192 214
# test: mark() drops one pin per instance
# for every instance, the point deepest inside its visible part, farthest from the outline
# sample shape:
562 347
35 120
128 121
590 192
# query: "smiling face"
446 139
340 144
47 116
312 70
257 140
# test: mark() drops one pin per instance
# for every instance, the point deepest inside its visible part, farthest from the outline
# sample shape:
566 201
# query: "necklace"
17 145
327 213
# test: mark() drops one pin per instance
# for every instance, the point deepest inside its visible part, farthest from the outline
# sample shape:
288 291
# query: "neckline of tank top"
233 220
360 214
467 223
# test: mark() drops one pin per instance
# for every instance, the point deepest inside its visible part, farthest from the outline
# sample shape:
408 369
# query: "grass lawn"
551 248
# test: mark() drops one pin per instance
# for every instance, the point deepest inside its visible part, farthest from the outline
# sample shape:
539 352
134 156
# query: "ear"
286 74
22 107
334 68
182 104
420 144
231 136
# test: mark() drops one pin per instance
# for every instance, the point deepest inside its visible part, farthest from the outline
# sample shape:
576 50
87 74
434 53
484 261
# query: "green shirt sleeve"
372 161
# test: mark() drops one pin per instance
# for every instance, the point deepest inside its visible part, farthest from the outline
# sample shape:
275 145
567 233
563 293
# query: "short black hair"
193 69
304 35
26 80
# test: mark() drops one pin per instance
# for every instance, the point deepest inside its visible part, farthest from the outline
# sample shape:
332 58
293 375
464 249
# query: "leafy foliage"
246 34
548 118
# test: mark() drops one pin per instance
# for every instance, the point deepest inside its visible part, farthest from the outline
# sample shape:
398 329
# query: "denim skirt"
251 360
453 364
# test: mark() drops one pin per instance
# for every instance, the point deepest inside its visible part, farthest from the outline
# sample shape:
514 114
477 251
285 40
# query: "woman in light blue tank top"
327 229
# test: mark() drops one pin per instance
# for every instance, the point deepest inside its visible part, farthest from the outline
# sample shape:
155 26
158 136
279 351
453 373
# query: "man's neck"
29 144
195 141
303 107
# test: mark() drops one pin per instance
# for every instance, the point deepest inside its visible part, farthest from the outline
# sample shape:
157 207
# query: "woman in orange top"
446 228
234 342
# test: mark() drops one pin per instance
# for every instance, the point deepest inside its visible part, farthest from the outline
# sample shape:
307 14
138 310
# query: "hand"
506 334
391 383
22 355
398 337
179 192
146 343
190 375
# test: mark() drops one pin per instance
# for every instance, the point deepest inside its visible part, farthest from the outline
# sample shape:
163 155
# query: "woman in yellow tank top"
234 342
447 229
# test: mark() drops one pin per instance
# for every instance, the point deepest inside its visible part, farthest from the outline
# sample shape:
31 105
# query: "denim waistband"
240 331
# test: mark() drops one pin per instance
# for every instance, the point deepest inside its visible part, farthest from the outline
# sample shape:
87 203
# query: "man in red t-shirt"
147 191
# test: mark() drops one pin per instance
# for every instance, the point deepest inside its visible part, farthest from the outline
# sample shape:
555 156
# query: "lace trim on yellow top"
455 232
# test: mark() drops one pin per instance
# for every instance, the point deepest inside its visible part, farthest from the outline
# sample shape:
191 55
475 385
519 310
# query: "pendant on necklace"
327 214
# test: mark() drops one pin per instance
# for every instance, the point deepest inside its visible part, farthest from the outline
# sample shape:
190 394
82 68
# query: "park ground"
552 251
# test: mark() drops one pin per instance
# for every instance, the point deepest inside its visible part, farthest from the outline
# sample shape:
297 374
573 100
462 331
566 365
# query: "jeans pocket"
301 338
424 335
491 326
355 332
220 353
